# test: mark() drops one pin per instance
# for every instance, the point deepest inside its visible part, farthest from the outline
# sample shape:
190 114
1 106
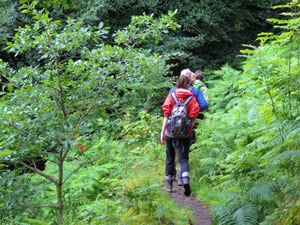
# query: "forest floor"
201 213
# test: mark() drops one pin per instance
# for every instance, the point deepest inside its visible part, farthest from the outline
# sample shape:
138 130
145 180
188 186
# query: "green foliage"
142 129
84 105
8 16
211 31
46 4
145 29
77 89
13 194
143 202
249 146
233 215
223 28
122 186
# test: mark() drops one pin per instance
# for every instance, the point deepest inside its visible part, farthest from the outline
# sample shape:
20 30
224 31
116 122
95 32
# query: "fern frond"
246 215
223 216
264 193
291 157
294 133
276 134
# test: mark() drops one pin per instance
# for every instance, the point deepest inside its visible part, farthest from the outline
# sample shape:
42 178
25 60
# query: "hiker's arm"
166 109
200 99
193 108
163 128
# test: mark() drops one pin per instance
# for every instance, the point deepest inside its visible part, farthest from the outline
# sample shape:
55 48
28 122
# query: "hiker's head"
189 73
199 75
193 77
183 81
186 72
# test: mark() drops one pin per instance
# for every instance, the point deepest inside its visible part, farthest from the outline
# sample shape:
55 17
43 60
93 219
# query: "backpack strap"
175 98
187 100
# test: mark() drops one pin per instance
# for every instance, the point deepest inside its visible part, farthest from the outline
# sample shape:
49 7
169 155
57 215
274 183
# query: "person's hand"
162 138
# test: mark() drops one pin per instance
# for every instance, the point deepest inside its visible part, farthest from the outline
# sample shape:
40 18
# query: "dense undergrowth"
124 185
248 148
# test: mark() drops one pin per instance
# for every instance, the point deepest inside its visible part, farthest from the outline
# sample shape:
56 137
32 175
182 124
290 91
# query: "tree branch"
41 173
79 167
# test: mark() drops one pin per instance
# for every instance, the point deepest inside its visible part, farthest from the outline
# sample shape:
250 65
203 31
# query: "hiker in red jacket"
182 92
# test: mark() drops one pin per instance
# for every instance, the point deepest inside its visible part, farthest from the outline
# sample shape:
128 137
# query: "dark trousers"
183 146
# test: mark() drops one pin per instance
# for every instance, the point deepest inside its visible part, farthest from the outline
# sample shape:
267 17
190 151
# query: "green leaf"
5 152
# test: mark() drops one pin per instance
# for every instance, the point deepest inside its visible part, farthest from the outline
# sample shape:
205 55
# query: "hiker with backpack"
199 96
180 110
196 92
199 83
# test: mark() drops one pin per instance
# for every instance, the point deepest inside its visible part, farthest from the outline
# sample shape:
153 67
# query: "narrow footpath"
201 213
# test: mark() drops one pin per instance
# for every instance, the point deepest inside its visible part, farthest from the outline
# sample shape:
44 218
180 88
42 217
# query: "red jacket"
193 106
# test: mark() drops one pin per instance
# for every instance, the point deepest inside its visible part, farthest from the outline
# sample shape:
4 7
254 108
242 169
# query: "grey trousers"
183 146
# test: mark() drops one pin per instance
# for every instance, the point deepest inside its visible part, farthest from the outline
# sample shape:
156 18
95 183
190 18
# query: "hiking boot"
169 183
187 189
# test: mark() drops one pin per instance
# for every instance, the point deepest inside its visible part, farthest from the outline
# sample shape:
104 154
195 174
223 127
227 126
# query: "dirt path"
201 213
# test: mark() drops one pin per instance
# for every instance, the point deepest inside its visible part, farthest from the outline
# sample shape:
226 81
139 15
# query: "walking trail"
201 213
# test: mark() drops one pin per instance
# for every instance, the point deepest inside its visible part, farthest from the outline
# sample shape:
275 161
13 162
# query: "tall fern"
253 133
246 214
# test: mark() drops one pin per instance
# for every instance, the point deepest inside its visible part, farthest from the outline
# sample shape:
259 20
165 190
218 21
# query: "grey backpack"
179 123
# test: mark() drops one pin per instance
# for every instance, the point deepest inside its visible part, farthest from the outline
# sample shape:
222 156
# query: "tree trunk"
60 206
59 196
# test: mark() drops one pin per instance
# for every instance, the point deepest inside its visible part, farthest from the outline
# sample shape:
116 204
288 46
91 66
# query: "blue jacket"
199 96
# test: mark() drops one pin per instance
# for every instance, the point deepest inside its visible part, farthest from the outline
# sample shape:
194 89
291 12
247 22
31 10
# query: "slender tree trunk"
60 206
62 155
59 195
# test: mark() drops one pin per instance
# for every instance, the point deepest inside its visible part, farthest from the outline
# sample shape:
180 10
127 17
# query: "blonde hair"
186 72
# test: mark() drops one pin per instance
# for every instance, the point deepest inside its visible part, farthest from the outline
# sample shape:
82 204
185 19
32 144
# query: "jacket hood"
182 94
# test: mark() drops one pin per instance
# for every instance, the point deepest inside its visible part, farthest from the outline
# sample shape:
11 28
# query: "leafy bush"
78 89
248 148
